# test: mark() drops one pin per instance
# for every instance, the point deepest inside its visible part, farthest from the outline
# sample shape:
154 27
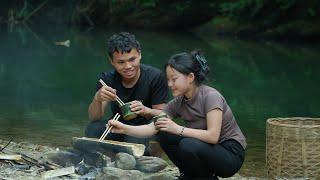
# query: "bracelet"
181 131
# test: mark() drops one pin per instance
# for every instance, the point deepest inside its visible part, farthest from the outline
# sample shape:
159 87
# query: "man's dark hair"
122 42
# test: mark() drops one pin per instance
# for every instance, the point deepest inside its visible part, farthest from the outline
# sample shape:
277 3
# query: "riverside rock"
151 164
125 161
118 174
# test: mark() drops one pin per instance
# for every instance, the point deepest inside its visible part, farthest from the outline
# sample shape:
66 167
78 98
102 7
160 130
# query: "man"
143 86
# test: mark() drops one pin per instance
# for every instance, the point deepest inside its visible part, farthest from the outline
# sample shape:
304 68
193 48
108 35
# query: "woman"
211 144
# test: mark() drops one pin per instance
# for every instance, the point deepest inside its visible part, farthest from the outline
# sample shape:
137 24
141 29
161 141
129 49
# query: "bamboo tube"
94 145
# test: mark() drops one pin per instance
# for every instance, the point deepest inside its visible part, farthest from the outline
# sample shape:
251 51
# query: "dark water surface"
45 89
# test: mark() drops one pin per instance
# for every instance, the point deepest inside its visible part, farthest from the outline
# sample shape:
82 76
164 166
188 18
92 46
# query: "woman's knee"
167 139
162 138
190 145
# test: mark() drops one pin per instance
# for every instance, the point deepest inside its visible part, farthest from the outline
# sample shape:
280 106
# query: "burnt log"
94 145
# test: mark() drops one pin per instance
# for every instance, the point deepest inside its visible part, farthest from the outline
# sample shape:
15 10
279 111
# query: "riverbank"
38 159
292 31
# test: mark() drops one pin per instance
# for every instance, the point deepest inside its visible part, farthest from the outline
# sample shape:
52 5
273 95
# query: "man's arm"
156 110
139 108
159 95
96 109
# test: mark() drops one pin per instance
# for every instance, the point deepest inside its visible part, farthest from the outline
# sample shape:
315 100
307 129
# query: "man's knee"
95 129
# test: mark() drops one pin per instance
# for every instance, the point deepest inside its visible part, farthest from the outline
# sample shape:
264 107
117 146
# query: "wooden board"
16 157
93 144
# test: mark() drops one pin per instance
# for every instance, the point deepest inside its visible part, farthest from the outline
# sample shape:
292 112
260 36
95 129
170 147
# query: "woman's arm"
211 135
136 131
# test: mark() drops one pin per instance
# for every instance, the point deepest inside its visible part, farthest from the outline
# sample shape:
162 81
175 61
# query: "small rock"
64 158
118 174
89 176
159 176
81 169
150 164
95 159
125 161
22 166
112 164
107 159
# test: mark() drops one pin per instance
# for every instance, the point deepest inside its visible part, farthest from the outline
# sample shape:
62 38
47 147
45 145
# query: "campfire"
89 158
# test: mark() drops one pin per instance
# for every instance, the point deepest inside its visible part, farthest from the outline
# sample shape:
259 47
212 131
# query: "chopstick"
121 103
108 129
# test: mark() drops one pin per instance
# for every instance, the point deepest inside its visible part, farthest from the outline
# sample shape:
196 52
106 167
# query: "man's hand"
105 93
138 108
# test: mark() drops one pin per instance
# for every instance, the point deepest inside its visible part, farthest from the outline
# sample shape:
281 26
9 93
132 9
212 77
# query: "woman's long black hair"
193 62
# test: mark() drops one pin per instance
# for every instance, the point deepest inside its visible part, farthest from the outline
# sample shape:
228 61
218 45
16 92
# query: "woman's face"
179 83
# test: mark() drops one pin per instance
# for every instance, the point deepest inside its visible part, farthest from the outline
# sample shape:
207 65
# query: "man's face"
127 64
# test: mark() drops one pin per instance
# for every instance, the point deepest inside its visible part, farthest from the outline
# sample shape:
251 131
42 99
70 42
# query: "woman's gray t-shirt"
194 112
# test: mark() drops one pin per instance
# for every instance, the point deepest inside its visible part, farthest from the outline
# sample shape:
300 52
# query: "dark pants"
195 158
96 128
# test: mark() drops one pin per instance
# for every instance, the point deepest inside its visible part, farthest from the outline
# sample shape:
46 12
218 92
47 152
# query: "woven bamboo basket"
293 148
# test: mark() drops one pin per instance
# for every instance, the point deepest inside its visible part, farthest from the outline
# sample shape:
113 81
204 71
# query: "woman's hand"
138 108
117 127
167 125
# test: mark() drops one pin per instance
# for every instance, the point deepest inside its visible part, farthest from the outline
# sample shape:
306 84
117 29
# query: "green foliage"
147 3
183 6
311 12
273 18
285 4
269 11
246 9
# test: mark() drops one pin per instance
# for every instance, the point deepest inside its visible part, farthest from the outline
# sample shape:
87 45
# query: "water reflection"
45 89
